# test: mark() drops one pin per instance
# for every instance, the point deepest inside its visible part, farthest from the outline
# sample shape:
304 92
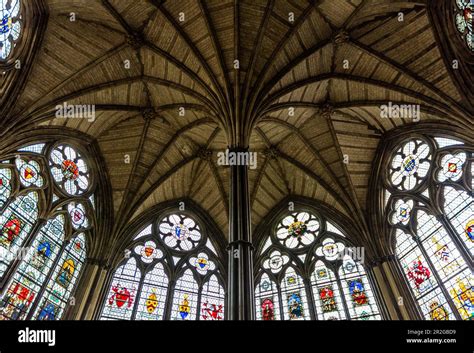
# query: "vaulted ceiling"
305 93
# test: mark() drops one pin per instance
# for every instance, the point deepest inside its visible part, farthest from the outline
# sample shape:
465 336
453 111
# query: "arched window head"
463 18
267 298
212 306
171 271
10 26
41 260
294 295
123 291
185 297
307 270
435 251
327 293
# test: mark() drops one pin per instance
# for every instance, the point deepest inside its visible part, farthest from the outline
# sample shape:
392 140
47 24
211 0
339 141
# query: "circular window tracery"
463 18
330 249
30 172
148 251
69 170
202 263
275 261
401 211
451 166
410 164
78 213
180 232
298 230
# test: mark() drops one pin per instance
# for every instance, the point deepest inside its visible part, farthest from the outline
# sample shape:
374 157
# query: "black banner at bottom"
398 336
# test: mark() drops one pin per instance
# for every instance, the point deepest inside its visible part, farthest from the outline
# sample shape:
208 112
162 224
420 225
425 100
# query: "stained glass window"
294 296
69 170
212 300
5 185
267 299
435 252
16 221
64 278
122 292
307 271
180 232
171 250
298 230
36 148
29 172
185 297
32 273
153 295
77 212
10 26
410 164
42 266
327 295
463 18
357 290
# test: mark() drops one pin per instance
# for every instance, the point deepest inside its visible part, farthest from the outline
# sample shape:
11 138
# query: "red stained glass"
327 298
212 311
11 229
268 313
70 170
121 296
418 273
16 302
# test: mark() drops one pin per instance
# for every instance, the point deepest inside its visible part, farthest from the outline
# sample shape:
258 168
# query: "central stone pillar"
240 302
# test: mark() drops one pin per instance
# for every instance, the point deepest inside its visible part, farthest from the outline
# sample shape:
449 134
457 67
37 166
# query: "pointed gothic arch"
423 194
310 267
170 266
48 224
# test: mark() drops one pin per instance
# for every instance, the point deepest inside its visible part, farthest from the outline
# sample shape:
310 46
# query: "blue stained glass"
63 280
32 271
49 312
295 307
10 26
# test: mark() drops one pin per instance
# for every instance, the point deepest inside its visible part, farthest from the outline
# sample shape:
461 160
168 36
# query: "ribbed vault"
305 93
